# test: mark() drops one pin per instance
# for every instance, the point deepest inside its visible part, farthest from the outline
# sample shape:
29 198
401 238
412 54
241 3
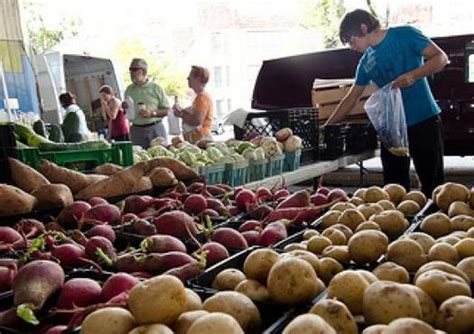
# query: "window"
216 42
227 76
220 107
218 76
229 105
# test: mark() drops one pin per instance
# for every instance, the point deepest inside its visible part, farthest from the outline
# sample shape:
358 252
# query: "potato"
108 320
254 290
385 301
52 196
342 206
395 192
337 315
360 193
356 201
470 233
367 246
185 320
370 277
151 329
462 223
467 267
374 194
428 306
162 177
449 193
348 287
459 234
391 222
437 224
465 247
160 299
328 268
336 236
25 177
440 285
308 323
318 243
194 301
330 218
443 252
408 326
374 329
236 305
295 246
293 281
425 240
448 239
368 225
443 266
390 271
407 253
308 234
370 209
459 208
14 201
386 204
228 279
215 323
455 315
338 253
305 255
258 264
416 196
408 207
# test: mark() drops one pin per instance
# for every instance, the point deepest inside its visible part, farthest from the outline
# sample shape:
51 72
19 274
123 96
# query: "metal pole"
5 91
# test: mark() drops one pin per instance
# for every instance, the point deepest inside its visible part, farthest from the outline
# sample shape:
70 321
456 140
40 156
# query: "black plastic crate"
333 143
7 149
302 121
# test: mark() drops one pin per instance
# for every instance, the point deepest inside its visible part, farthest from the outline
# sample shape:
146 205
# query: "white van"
81 75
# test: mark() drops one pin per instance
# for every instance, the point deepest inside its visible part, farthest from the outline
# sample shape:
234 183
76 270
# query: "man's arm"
346 104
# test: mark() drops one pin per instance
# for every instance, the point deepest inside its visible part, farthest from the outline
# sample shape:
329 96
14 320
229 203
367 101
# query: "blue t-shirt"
399 52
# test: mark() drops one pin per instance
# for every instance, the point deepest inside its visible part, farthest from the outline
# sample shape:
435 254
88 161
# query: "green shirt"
152 95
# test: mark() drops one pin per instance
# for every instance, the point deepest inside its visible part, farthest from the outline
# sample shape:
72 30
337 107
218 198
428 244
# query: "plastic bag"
386 112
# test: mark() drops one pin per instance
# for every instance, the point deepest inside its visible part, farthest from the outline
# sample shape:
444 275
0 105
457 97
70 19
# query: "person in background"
150 104
74 125
197 119
404 57
112 106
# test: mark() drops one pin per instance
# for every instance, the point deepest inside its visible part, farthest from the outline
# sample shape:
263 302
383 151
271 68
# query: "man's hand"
403 81
177 111
145 113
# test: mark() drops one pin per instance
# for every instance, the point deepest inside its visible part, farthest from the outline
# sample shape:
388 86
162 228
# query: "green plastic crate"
256 170
292 161
213 174
235 174
275 165
120 154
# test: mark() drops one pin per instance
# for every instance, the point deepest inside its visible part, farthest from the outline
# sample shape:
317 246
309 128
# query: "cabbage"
214 154
158 141
187 157
259 154
159 151
222 148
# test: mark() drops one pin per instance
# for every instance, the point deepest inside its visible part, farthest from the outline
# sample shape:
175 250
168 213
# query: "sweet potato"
162 177
14 201
179 169
299 199
51 196
25 177
107 169
56 174
143 184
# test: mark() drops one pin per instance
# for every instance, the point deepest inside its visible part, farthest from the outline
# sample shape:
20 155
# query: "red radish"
156 263
225 187
245 198
102 213
105 231
10 237
211 213
59 329
215 252
185 272
250 225
128 262
71 214
7 275
30 227
194 204
69 255
147 214
215 191
280 193
337 194
259 212
309 215
10 319
237 190
195 187
264 194
128 218
323 190
162 244
116 284
229 238
215 204
136 203
144 227
286 213
297 199
252 237
318 199
95 244
233 210
273 233
36 281
176 223
93 201
54 226
79 292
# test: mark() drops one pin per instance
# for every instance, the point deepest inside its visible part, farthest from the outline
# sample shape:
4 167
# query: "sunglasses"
134 69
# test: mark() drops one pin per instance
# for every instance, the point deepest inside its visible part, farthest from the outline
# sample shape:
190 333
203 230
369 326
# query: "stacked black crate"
7 149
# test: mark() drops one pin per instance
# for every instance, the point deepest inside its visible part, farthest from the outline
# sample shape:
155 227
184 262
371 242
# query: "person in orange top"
197 118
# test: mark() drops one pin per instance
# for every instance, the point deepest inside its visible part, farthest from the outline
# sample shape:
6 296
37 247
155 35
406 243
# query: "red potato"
144 227
215 252
105 231
161 244
93 201
296 200
102 213
194 204
337 194
250 225
117 284
244 199
252 237
71 214
80 292
263 194
280 194
95 243
273 233
69 255
185 272
176 223
156 263
136 203
229 238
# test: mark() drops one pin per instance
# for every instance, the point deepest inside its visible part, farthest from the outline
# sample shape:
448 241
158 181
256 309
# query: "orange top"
203 104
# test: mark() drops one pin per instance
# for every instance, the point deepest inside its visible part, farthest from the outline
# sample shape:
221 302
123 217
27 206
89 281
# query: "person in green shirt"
150 104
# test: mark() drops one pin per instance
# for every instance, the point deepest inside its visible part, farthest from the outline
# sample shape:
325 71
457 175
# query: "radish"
93 201
54 226
97 247
211 213
215 252
71 214
128 262
233 210
337 194
229 238
79 292
59 329
259 212
236 191
7 276
10 319
144 227
102 213
273 233
162 244
245 198
195 187
30 227
69 255
264 194
156 263
9 237
252 237
116 284
280 194
105 231
318 199
297 199
225 187
194 204
250 225
185 272
176 223
136 203
215 190
128 218
323 190
215 204
309 215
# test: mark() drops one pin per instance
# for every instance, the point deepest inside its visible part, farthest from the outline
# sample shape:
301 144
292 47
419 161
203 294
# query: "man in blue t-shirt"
404 57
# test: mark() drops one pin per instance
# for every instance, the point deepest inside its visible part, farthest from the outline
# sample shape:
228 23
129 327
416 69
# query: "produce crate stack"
257 170
7 149
302 121
334 143
213 174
